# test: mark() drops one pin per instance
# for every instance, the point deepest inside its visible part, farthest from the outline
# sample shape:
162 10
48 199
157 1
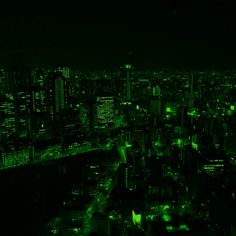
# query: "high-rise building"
18 77
65 71
123 176
57 101
104 112
16 107
18 82
59 94
39 92
40 118
7 119
55 94
126 77
2 81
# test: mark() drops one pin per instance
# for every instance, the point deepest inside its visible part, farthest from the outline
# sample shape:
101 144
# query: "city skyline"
105 152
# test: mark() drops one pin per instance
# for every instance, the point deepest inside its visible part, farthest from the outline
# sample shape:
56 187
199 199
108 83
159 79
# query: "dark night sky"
101 33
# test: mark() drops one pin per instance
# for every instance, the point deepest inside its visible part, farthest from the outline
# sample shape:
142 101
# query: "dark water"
30 196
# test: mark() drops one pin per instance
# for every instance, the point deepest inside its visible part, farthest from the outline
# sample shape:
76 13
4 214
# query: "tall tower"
126 76
126 69
59 94
56 93
56 97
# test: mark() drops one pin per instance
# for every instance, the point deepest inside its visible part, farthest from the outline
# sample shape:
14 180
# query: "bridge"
53 153
17 159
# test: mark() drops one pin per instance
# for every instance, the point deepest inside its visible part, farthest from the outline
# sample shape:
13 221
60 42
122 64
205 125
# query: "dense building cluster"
174 132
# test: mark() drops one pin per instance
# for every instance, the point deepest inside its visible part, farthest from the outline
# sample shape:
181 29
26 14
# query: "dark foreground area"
30 196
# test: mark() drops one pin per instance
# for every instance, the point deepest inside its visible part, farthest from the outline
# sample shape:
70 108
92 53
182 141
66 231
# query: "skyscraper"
59 94
16 107
104 112
18 83
126 76
40 119
55 93
104 103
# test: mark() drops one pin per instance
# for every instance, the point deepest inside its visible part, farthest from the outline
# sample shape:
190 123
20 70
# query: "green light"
184 227
122 153
193 112
232 107
169 228
166 218
179 142
126 103
157 144
166 207
136 218
168 109
195 146
127 145
127 66
137 107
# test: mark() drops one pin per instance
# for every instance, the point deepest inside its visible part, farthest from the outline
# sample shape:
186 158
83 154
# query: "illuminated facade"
18 82
104 112
127 77
8 119
16 125
55 94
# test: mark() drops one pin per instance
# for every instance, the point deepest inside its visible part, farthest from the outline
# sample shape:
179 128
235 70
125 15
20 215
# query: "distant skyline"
99 34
